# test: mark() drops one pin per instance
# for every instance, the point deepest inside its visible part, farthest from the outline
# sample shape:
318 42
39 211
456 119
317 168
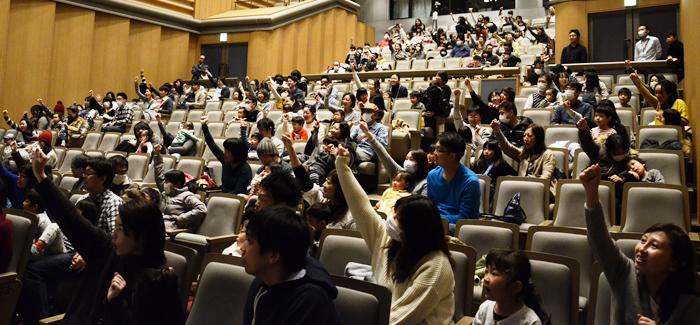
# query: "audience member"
510 124
492 164
648 48
48 239
98 176
572 109
222 91
675 52
575 52
235 172
399 185
200 69
380 133
267 129
658 285
121 182
454 188
6 235
278 189
25 129
200 97
396 89
123 116
624 95
544 82
666 96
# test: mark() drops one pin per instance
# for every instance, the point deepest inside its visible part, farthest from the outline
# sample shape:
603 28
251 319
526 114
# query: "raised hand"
158 118
457 92
590 179
77 264
156 149
364 128
204 119
582 124
38 163
495 127
118 284
287 140
628 65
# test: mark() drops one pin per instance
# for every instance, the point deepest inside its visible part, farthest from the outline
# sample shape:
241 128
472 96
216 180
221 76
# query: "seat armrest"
465 321
219 243
173 233
694 237
52 320
547 223
615 229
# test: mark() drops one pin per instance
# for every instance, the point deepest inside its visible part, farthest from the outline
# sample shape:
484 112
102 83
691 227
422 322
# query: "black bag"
513 212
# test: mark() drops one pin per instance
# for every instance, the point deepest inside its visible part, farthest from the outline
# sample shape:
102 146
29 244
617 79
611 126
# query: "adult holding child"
665 97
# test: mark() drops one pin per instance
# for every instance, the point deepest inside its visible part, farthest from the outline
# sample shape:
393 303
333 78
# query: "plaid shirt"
125 115
108 204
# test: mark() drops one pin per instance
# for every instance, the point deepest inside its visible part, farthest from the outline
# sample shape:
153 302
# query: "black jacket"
308 300
514 135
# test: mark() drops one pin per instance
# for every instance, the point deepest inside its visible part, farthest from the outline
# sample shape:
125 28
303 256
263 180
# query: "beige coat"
544 163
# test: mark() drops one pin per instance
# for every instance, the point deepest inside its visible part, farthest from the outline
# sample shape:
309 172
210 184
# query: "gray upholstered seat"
554 133
557 281
660 133
70 155
208 155
138 163
109 141
465 262
644 204
362 303
541 116
92 141
191 165
534 197
569 212
182 260
669 162
338 247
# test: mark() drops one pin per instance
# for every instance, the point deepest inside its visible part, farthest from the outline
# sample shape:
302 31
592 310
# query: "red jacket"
5 241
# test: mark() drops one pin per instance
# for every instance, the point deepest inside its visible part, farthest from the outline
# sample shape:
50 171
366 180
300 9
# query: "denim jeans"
119 129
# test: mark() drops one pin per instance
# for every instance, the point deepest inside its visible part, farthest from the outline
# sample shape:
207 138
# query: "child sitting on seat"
415 101
298 131
636 172
603 116
48 240
551 99
60 126
185 132
235 249
318 215
624 95
402 180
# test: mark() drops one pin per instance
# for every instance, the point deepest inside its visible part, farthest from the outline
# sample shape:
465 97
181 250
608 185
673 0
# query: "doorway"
228 60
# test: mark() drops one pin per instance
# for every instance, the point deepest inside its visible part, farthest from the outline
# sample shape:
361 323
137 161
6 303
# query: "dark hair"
575 31
283 188
404 175
265 93
671 89
140 126
474 109
143 220
605 110
422 169
672 117
443 76
453 143
510 92
329 140
593 82
102 167
298 120
164 88
88 209
624 90
671 33
123 95
482 163
293 78
252 99
119 161
466 133
266 123
34 199
156 299
553 90
175 177
344 128
240 149
279 229
547 77
421 223
320 212
508 107
339 207
613 113
539 148
681 281
257 136
353 99
28 173
575 84
80 161
361 92
153 194
516 265
614 142
588 69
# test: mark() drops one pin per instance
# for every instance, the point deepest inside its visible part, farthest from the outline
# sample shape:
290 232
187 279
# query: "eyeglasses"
87 174
440 151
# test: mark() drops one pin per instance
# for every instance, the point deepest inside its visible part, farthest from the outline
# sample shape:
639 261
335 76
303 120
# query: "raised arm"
158 168
358 82
508 149
138 91
477 100
456 111
218 153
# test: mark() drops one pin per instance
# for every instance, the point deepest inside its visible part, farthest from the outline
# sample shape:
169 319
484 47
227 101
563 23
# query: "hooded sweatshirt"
181 209
307 300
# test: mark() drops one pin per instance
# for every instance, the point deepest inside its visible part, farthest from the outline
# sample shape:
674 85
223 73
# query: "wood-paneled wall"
309 45
58 52
690 15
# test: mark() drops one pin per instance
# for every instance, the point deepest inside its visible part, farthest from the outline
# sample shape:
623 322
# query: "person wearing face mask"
409 253
123 116
365 153
648 48
121 182
181 209
544 82
386 41
461 50
252 115
572 110
511 125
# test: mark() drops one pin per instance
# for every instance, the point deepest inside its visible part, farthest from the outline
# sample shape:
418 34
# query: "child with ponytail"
510 296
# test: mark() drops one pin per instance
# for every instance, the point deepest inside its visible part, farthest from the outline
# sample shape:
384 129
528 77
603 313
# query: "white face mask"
367 117
541 86
393 230
653 84
642 33
459 43
167 189
538 72
619 158
501 50
284 95
247 107
409 166
570 95
119 179
322 92
503 118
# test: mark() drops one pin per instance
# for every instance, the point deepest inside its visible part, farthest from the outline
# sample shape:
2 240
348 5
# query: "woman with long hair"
665 97
347 105
409 253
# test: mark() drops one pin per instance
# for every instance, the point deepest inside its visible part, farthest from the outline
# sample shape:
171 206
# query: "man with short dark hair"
294 91
278 189
572 110
199 70
512 125
267 128
124 116
290 287
575 52
200 97
121 182
98 176
461 50
222 91
454 188
166 104
77 166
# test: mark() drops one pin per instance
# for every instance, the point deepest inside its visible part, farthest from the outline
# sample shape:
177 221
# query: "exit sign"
630 3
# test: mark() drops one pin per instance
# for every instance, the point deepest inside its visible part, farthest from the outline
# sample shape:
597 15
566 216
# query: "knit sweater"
630 295
524 316
95 246
427 297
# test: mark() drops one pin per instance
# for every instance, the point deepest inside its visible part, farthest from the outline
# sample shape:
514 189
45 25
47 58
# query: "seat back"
569 242
172 126
216 115
535 49
215 170
212 105
233 130
628 117
436 63
557 281
419 64
138 164
645 204
554 133
60 154
194 115
214 303
401 65
538 116
527 91
571 197
527 59
24 228
581 162
484 235
92 141
625 80
178 115
229 105
338 247
647 116
224 213
216 129
70 155
600 298
659 133
191 165
411 117
361 303
109 141
208 155
485 185
168 163
182 260
465 263
670 163
561 157
451 63
534 196
10 287
67 182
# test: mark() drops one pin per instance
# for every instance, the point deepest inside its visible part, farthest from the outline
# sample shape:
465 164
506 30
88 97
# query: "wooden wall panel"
329 36
174 55
109 64
301 41
690 15
4 29
72 54
28 54
143 53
